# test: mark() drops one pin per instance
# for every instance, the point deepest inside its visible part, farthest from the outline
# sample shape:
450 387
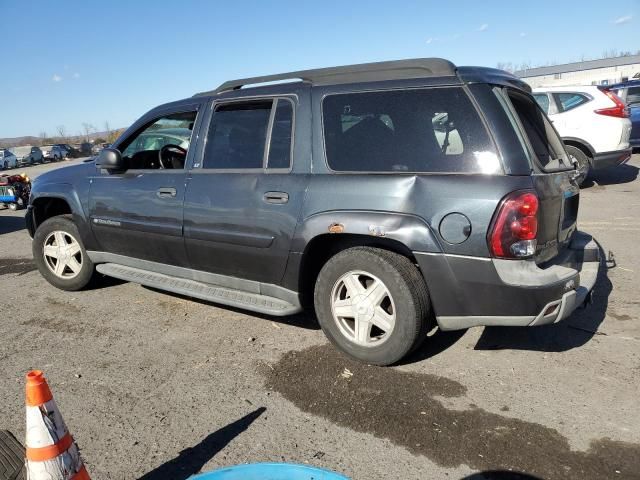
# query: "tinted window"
237 135
633 96
543 101
280 147
421 130
567 101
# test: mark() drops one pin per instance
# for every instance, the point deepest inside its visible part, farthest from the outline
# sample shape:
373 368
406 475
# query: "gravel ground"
158 386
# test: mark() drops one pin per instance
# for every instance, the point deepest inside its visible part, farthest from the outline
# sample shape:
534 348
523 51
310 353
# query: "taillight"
620 110
515 226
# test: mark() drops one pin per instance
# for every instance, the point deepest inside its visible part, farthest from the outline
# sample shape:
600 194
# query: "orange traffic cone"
50 450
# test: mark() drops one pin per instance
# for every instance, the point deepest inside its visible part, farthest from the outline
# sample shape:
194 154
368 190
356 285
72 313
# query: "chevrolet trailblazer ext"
391 196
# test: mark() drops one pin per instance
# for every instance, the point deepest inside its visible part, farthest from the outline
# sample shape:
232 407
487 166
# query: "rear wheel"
372 304
583 163
60 255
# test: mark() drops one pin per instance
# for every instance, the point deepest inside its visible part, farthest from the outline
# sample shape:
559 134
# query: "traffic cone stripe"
81 474
41 454
37 391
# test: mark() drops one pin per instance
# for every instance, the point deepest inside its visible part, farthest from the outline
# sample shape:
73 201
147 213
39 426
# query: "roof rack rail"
364 72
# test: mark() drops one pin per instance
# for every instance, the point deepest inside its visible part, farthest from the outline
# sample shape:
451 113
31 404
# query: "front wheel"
60 255
582 161
372 304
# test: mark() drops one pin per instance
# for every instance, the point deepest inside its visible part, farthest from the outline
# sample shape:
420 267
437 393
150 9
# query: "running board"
204 291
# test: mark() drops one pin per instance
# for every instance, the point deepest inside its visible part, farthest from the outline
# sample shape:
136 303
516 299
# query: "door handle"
277 198
166 192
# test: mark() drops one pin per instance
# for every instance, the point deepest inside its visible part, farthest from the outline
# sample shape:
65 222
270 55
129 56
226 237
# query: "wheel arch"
52 200
584 146
324 235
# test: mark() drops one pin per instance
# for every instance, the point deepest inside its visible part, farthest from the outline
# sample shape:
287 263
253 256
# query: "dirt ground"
157 386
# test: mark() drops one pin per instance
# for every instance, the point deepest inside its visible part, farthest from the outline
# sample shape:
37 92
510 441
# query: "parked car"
593 123
72 152
86 149
629 92
7 159
348 192
28 155
57 153
46 152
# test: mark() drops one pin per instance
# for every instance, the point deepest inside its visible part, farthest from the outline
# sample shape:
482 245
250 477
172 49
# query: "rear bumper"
471 291
611 159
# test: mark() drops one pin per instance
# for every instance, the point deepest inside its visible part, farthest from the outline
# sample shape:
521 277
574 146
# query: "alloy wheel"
363 308
62 254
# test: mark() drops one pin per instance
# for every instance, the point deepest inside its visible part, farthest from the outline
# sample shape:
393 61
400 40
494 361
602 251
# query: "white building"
605 71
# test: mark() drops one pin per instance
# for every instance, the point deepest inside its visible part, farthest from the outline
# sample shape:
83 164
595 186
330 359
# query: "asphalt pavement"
157 386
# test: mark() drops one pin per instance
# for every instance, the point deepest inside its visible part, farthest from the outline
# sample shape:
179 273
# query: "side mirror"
110 159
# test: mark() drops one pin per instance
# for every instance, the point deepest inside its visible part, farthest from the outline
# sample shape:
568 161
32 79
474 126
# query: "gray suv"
388 197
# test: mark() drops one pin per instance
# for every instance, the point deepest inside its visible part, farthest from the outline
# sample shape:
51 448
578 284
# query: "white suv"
593 123
7 159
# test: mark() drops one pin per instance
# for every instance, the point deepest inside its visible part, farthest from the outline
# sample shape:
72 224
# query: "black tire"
584 164
404 284
65 224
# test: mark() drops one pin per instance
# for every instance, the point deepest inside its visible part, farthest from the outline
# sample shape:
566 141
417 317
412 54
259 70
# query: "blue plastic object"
270 471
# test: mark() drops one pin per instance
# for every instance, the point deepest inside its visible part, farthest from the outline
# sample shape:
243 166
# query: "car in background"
86 149
7 159
629 93
28 155
70 151
592 121
57 153
46 152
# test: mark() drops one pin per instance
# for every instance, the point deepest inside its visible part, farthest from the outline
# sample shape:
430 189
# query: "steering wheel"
166 148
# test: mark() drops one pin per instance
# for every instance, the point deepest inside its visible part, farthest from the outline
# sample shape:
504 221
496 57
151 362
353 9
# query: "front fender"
410 230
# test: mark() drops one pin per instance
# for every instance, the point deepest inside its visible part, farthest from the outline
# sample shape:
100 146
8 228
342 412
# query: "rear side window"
569 101
238 134
420 130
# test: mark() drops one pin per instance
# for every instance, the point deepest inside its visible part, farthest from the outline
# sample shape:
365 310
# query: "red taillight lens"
620 110
515 226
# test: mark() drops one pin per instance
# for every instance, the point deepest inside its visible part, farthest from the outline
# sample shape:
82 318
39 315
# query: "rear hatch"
554 177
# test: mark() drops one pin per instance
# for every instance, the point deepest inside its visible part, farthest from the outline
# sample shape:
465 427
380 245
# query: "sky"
73 62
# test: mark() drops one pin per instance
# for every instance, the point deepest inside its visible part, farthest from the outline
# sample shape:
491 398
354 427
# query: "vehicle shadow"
500 475
304 319
570 333
437 342
191 460
10 224
611 176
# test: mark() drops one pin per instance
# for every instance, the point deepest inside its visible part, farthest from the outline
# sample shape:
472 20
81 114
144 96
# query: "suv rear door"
244 194
552 173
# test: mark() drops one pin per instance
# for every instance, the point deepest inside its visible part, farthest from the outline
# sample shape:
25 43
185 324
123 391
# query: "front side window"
419 130
569 101
162 144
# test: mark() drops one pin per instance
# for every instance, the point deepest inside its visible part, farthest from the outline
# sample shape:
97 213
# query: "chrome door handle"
166 192
277 198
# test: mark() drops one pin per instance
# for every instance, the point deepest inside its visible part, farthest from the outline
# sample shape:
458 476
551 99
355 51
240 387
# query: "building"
605 71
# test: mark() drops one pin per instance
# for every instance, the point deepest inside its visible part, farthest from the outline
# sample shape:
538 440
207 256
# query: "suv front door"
243 199
137 213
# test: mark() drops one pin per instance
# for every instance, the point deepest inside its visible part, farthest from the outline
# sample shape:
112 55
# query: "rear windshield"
543 140
421 130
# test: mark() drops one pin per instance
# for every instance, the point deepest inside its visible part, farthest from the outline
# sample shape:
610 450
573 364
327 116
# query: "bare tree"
88 130
62 132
